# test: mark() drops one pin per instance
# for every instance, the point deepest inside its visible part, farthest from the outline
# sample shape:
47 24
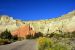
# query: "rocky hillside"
65 23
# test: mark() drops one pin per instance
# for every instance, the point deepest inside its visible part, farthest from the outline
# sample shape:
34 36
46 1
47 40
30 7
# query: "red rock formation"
23 31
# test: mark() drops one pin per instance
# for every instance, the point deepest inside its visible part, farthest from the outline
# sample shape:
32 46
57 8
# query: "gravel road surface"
21 45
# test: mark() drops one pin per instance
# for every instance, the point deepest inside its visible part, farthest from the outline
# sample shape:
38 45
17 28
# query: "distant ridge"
43 26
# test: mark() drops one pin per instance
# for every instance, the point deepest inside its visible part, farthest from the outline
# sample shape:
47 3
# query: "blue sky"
36 9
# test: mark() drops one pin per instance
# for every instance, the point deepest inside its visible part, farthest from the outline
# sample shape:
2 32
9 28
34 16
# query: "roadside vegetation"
7 38
57 41
49 44
50 41
35 36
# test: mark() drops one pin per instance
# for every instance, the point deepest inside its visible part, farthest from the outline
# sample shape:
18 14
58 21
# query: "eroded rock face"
65 23
7 22
23 31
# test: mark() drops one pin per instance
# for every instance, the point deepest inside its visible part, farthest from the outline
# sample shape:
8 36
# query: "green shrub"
20 38
59 47
29 36
50 35
36 35
48 44
69 34
15 37
44 43
4 41
6 35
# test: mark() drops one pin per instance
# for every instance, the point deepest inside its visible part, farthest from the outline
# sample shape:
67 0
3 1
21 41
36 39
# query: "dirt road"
21 45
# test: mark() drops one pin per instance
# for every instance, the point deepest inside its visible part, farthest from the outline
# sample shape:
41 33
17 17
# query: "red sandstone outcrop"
23 31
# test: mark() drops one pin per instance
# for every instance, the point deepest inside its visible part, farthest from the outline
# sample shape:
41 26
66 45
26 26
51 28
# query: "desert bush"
73 48
61 34
29 36
73 34
4 41
58 46
14 38
54 35
69 34
6 35
20 38
44 43
48 44
50 35
36 35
